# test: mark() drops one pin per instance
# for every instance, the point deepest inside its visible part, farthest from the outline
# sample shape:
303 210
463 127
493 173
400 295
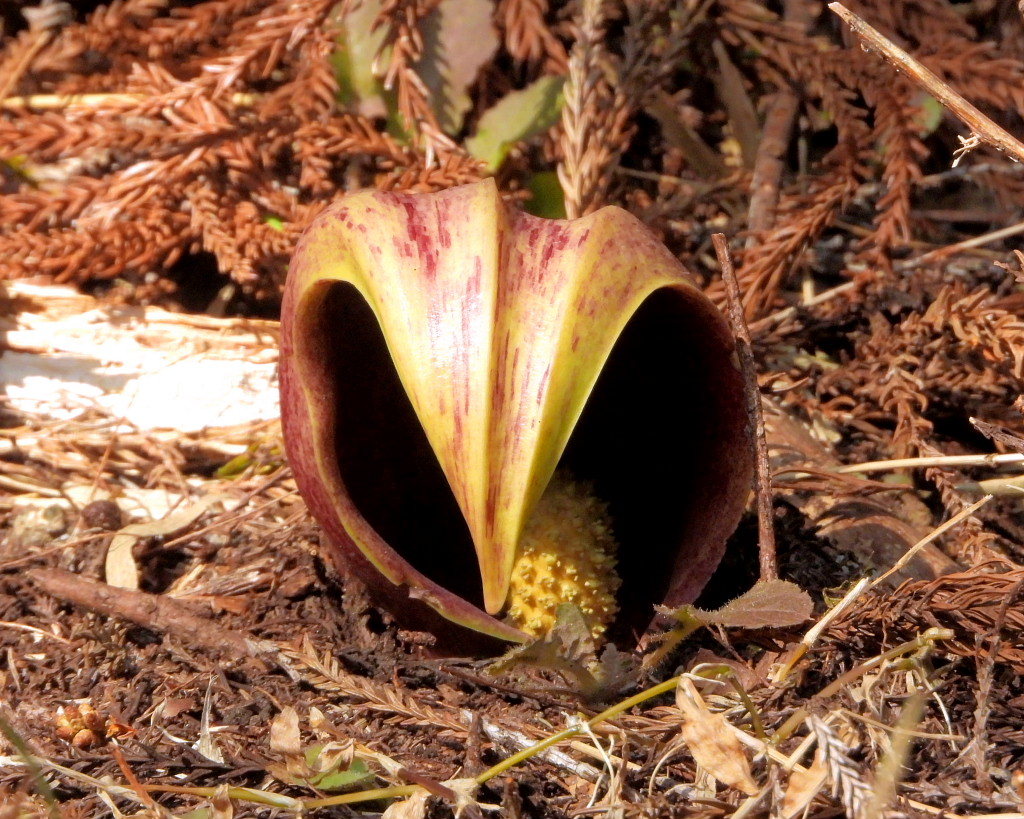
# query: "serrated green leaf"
768 603
517 116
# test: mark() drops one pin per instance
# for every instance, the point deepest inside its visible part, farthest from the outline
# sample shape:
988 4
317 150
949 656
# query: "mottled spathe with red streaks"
498 324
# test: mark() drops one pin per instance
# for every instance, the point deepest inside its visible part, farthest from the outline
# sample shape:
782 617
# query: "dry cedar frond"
586 97
43 21
847 781
316 84
100 35
17 56
325 150
327 674
423 177
878 118
800 219
923 24
896 125
965 349
187 148
979 72
974 545
604 91
834 81
153 238
971 603
528 37
239 94
960 351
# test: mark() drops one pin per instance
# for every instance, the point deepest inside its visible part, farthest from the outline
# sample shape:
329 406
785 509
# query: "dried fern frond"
971 603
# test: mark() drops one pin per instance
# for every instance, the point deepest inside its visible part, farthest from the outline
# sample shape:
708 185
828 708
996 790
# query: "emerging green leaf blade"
515 117
353 60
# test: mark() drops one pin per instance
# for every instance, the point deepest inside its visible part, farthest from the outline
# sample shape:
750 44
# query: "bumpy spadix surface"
566 555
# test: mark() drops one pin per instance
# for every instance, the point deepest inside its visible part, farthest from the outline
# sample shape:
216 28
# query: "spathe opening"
383 454
662 440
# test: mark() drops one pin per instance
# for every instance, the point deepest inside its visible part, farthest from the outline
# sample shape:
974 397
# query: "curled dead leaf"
804 784
711 741
120 569
415 807
284 732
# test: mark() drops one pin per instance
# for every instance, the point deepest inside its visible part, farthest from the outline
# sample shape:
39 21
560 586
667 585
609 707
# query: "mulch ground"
171 152
177 684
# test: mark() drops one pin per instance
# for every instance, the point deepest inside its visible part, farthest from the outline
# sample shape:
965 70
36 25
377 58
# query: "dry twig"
152 611
981 126
755 415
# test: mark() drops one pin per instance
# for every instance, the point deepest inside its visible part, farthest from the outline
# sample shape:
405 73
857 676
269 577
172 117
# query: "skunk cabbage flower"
491 413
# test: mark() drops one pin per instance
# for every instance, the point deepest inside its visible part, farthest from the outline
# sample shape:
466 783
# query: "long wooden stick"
762 475
981 126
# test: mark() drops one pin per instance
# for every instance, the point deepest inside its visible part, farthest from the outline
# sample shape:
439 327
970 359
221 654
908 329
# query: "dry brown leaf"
284 732
120 569
220 804
804 784
767 604
711 741
286 739
415 807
